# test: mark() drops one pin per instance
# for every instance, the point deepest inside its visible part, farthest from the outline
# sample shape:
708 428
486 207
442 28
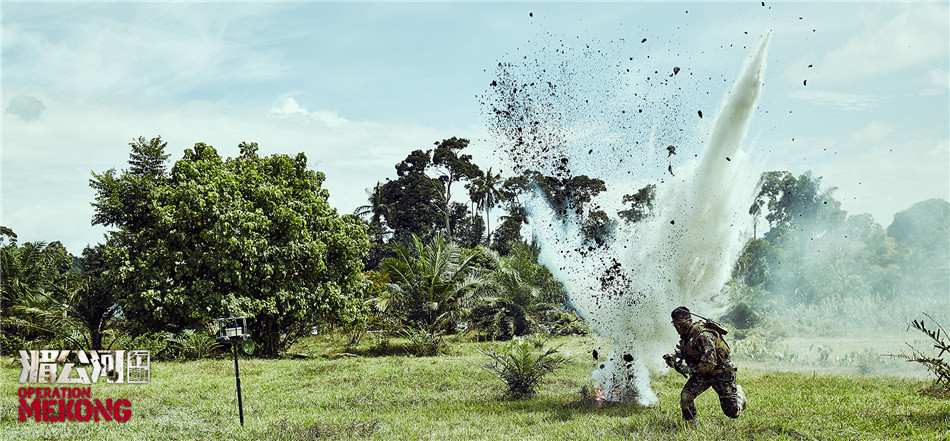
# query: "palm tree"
375 209
486 189
432 285
28 276
511 280
40 301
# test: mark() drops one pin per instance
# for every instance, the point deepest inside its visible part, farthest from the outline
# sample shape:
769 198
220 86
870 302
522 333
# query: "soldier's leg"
731 397
693 387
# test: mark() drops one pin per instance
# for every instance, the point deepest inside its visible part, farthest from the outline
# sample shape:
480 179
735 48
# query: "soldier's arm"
706 343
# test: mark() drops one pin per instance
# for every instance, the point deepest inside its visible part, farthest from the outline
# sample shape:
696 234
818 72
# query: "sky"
855 92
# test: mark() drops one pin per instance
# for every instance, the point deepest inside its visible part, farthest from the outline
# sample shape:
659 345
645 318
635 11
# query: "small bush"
937 366
154 342
743 316
500 320
191 345
521 368
560 321
11 344
424 343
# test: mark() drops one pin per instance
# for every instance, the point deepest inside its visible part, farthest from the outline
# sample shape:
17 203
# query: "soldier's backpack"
722 348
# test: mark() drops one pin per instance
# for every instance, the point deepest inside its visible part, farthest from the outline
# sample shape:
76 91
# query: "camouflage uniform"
709 366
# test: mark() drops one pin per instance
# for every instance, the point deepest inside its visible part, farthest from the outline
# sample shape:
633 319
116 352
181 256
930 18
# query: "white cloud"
287 107
878 168
47 162
842 100
939 82
914 37
883 181
873 133
166 57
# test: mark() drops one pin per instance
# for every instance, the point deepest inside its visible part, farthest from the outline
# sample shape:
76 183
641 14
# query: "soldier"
707 364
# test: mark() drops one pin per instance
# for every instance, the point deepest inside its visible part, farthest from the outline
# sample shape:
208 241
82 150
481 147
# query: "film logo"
74 367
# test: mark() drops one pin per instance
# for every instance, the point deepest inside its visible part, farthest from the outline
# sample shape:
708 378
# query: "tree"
415 201
922 237
508 234
641 204
469 229
452 167
597 227
796 203
92 300
30 276
925 225
378 231
486 189
253 234
567 194
122 200
433 284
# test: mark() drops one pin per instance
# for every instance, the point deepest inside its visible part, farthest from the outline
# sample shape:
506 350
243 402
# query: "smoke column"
682 255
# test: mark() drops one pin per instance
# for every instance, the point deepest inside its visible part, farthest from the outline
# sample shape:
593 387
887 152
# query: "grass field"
453 397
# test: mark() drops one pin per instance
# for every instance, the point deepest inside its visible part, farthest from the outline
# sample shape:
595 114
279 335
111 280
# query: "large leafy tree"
922 236
122 199
796 204
452 166
415 201
254 234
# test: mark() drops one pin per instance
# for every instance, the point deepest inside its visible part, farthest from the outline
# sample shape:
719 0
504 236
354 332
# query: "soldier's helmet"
680 314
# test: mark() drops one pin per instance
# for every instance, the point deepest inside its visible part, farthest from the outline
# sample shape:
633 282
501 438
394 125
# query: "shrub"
11 344
937 366
500 320
154 342
521 368
191 345
560 321
743 316
423 343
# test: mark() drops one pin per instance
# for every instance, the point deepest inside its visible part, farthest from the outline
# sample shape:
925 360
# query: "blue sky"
357 86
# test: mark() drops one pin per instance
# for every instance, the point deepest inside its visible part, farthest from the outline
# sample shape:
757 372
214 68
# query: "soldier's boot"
742 400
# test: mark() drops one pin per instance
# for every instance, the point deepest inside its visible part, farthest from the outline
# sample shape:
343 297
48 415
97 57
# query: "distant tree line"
255 235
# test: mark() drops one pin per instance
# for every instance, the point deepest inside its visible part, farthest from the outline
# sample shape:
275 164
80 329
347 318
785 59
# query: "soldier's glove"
668 358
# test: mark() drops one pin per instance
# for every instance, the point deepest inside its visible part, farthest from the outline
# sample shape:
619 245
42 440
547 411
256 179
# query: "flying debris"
595 354
700 113
669 168
671 150
676 70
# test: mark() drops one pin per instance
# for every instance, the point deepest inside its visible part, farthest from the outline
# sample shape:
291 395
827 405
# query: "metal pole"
237 376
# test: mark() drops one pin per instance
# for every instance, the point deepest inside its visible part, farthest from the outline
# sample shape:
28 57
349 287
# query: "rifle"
677 362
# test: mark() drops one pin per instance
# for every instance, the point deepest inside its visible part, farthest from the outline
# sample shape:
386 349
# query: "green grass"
453 397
